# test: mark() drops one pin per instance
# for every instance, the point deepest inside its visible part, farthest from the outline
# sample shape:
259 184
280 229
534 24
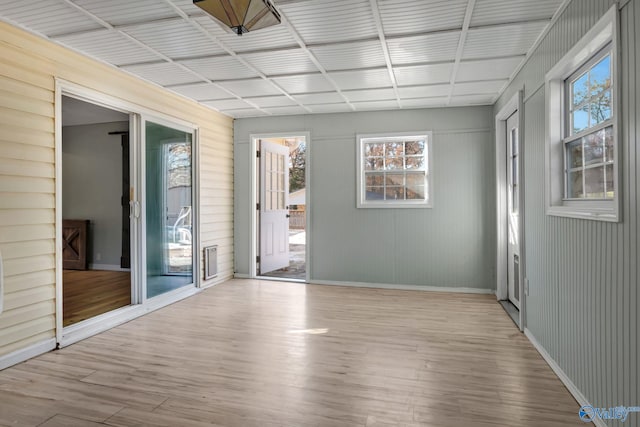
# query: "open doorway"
282 207
96 234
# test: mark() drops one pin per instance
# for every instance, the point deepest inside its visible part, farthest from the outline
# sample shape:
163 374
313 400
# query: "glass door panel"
169 208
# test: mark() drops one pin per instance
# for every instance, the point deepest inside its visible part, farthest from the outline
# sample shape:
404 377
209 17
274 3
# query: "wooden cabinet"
74 244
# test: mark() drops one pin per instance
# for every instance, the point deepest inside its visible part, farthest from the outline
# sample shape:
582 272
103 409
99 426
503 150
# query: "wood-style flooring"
89 293
261 354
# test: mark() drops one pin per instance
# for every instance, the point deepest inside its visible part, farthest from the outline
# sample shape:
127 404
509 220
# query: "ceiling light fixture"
241 16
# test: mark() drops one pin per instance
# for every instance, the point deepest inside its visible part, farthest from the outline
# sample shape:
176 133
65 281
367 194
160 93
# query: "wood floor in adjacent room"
249 353
89 293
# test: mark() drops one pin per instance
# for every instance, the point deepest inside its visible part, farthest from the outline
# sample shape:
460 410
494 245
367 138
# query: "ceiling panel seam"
385 48
460 50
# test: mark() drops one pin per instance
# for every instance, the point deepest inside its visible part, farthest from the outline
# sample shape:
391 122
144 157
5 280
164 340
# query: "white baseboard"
216 281
577 394
107 267
404 287
241 276
27 353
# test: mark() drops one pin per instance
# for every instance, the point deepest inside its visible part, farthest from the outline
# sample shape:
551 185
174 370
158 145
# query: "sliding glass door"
169 215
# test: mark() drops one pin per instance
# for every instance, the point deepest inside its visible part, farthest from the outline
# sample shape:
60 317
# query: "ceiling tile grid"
327 55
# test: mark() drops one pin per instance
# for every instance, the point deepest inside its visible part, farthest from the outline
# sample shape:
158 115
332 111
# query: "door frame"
515 104
139 304
253 194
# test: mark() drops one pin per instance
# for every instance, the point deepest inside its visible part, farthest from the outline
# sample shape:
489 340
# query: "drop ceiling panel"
363 79
220 68
281 111
289 61
423 74
228 104
164 73
176 39
376 105
252 87
325 21
346 56
472 100
424 91
488 12
407 17
425 102
277 37
478 88
123 12
272 101
427 48
370 95
304 83
109 46
493 69
319 98
202 91
330 108
504 40
49 19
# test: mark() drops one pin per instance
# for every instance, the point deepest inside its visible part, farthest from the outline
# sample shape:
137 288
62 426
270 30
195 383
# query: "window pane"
600 76
608 143
574 154
374 164
601 108
374 179
579 89
415 193
280 200
415 179
414 147
594 182
415 162
394 193
580 119
395 179
574 184
395 163
394 149
374 193
594 148
373 149
609 182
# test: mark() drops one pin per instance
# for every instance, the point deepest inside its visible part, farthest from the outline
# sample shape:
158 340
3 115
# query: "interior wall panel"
444 246
583 275
27 164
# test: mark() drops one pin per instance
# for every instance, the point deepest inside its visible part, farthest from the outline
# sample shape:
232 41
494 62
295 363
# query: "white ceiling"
326 56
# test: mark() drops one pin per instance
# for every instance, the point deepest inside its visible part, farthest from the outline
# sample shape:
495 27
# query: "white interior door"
274 207
513 206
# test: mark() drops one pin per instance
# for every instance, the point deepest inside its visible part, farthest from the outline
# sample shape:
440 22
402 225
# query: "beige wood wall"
28 68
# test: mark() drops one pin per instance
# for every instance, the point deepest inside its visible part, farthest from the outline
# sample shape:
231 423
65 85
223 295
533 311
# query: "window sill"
394 206
606 215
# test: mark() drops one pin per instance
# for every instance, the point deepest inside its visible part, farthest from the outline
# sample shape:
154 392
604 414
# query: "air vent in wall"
210 262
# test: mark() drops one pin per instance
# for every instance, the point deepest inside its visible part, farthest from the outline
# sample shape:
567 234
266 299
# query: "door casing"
515 104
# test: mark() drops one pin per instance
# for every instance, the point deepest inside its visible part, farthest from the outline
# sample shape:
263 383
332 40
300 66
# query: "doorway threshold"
512 311
281 279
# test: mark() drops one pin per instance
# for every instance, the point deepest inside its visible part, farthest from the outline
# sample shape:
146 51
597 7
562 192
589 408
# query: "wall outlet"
526 286
98 256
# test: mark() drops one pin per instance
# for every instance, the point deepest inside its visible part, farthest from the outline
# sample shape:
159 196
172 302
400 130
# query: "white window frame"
395 204
603 33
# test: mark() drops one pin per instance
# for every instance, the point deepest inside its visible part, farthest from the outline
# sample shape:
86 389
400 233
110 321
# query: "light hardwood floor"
89 293
249 353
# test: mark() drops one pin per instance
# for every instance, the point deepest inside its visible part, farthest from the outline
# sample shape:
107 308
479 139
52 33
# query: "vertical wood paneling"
27 188
445 246
583 274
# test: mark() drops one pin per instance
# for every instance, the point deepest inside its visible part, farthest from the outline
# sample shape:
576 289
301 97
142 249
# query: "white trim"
107 267
452 289
573 389
27 353
399 204
605 31
1 284
58 201
253 194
